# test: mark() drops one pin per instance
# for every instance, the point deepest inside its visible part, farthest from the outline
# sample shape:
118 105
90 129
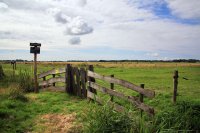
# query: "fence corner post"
175 87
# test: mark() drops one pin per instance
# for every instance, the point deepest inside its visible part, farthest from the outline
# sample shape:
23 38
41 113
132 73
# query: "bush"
16 93
25 81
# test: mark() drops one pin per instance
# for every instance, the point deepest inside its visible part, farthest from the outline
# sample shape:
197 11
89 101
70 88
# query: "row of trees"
175 60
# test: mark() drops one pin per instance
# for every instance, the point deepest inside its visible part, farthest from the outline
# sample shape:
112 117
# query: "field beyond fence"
105 85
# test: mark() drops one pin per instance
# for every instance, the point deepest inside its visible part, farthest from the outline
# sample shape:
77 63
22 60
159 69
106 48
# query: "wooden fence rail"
51 72
81 82
145 92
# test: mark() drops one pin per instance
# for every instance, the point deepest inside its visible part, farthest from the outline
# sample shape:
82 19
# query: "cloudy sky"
100 29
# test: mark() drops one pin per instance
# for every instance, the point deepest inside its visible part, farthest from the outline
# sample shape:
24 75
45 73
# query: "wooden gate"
81 82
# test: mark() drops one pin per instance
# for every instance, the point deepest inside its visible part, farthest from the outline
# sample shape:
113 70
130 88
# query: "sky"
100 29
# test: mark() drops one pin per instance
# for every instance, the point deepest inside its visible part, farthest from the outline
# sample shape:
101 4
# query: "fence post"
175 78
54 84
91 68
112 88
141 98
69 88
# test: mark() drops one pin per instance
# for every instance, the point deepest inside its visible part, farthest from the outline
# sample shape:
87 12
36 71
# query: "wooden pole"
112 88
175 78
35 73
83 82
141 98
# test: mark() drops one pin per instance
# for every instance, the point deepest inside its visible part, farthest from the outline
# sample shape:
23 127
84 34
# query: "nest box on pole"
35 49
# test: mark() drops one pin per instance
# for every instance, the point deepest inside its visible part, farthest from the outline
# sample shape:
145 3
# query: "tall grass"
184 116
25 81
106 120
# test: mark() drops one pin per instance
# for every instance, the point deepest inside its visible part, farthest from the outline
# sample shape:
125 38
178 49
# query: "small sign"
35 50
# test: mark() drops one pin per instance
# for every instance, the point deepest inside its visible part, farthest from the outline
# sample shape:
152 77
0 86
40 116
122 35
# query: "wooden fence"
81 82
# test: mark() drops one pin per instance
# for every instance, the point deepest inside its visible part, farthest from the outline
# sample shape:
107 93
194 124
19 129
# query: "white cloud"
77 26
3 7
188 9
75 40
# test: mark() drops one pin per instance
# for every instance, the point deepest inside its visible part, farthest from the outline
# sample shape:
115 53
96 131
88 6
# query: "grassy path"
41 111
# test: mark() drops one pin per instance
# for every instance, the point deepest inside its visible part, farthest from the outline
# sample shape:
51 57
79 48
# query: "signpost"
35 49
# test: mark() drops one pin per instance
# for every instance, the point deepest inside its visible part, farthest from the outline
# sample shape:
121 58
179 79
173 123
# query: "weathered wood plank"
134 100
69 79
83 82
78 81
51 81
146 92
116 107
53 71
73 81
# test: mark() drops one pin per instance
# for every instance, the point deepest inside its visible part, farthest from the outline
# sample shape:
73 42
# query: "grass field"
43 111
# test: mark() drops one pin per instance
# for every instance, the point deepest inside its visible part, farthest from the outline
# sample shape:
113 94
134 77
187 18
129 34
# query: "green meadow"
47 111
